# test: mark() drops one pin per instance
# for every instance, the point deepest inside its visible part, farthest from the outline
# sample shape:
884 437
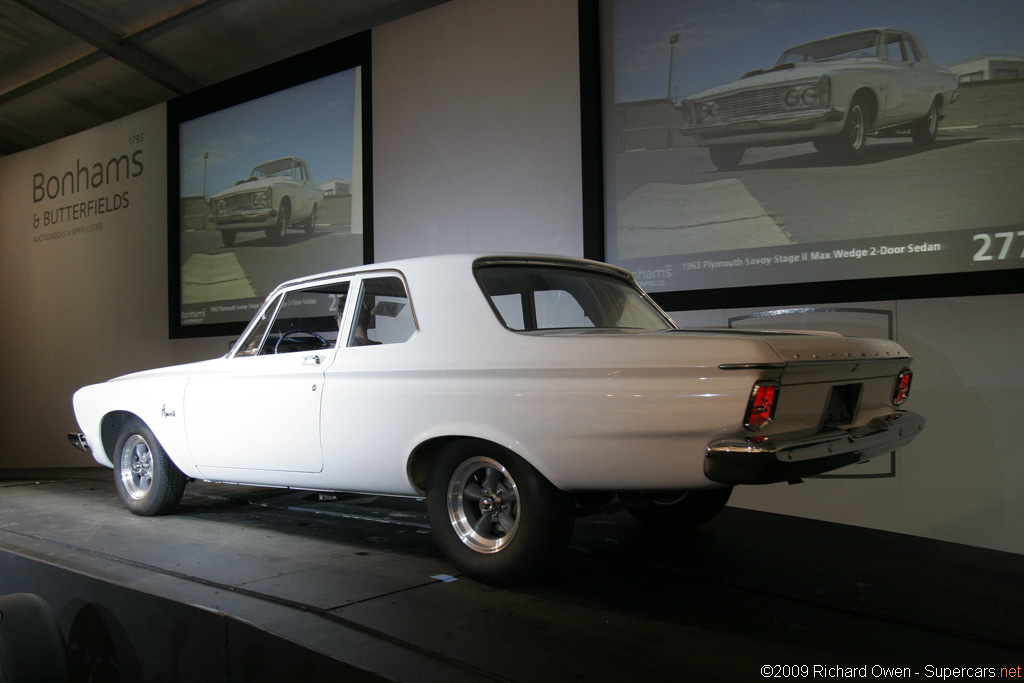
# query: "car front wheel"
495 517
926 129
848 145
146 480
309 225
280 226
682 510
726 157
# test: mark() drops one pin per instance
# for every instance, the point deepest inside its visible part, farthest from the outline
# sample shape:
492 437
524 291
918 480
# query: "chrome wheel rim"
856 128
136 467
483 505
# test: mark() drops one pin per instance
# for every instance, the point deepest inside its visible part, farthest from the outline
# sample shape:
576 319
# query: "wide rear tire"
682 510
495 517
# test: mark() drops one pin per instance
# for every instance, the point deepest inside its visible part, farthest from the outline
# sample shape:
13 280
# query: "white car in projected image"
513 392
274 197
832 92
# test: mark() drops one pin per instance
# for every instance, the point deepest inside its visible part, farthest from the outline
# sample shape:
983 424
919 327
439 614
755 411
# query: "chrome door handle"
316 358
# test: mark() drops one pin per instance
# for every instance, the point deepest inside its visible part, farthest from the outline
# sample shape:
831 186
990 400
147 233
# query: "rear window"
534 297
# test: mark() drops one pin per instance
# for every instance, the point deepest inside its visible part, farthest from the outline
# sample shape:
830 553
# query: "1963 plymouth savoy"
831 92
513 392
272 198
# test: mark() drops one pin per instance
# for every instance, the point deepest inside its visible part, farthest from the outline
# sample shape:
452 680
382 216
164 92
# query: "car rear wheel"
495 517
682 510
726 157
926 129
146 480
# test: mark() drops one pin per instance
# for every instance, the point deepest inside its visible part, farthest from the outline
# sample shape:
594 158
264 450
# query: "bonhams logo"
65 193
86 177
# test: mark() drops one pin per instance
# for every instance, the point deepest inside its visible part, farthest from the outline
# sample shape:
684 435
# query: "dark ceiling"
69 65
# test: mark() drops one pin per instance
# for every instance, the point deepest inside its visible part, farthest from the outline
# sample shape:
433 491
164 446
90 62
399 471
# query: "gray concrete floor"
250 584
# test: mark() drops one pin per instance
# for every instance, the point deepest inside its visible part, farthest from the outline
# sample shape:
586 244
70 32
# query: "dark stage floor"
249 584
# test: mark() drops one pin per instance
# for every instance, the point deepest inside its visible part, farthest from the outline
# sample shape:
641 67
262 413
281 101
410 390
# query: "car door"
907 95
305 191
367 400
259 408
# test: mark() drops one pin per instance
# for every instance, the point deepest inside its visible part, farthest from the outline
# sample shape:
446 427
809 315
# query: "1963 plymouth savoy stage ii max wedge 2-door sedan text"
831 92
512 392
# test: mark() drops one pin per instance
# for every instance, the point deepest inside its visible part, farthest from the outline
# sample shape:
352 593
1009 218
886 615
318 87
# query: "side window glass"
911 51
894 49
301 320
551 309
253 342
307 320
510 308
383 314
559 309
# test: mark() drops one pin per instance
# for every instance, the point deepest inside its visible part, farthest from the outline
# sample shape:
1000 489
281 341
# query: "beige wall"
476 130
84 298
962 479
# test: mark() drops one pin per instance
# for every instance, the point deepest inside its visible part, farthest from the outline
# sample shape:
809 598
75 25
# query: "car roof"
875 29
274 161
438 264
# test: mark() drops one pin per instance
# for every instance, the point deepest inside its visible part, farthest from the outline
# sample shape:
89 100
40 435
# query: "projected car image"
274 197
832 92
512 392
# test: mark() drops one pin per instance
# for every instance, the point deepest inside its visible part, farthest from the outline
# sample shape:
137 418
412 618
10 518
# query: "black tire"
280 226
926 129
147 482
309 225
495 517
849 144
227 237
726 157
32 645
682 510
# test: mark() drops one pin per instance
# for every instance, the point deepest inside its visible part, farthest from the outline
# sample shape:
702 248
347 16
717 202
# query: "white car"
512 392
832 92
275 196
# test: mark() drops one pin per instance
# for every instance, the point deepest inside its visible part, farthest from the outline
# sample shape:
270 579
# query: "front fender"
101 410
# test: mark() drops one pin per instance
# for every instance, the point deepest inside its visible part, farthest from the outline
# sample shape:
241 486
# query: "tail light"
761 407
902 387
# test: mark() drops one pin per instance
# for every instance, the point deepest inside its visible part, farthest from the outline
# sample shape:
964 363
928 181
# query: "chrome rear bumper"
766 460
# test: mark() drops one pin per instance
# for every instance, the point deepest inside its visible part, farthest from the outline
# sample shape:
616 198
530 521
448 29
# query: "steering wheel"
311 333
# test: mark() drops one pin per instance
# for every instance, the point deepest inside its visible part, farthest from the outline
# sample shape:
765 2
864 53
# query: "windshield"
531 297
280 168
848 46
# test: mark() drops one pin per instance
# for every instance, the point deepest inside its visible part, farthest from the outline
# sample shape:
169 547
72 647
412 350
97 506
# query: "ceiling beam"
51 77
119 48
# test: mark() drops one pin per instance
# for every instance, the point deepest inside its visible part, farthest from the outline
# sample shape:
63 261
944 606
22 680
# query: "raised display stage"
251 584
